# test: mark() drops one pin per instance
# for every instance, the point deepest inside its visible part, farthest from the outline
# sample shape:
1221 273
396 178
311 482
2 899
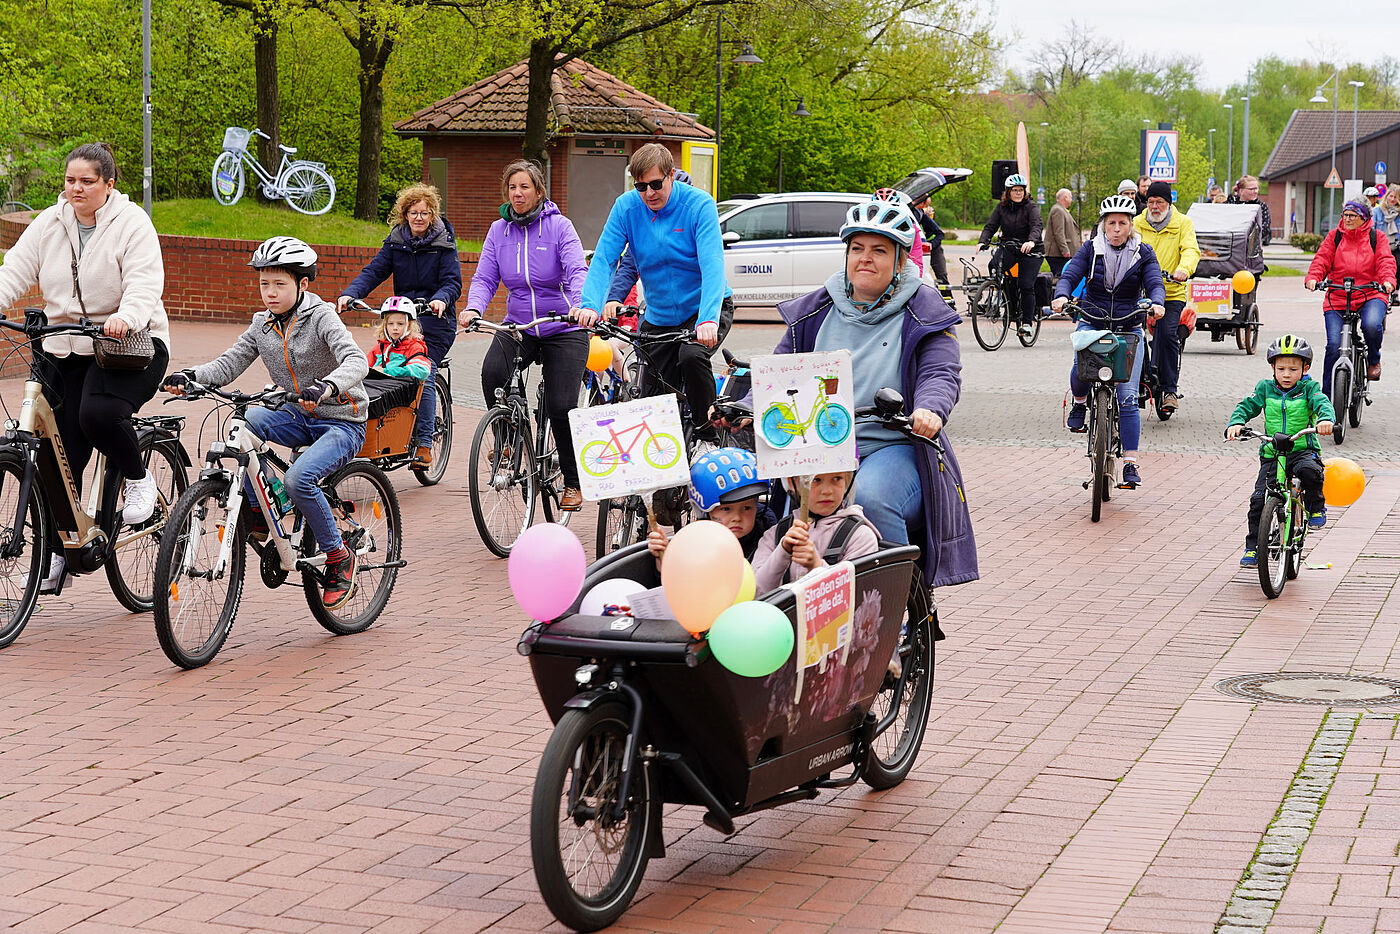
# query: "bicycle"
512 465
988 304
624 520
199 573
1283 523
1103 364
42 504
1351 391
780 424
305 186
601 458
442 421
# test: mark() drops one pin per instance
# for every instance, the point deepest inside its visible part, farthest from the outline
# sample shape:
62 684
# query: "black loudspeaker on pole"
1002 169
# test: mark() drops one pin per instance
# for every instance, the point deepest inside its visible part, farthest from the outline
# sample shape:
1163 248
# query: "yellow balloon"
1243 281
1343 482
599 355
748 586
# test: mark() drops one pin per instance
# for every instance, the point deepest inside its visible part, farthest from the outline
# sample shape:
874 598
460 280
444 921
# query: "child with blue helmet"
725 487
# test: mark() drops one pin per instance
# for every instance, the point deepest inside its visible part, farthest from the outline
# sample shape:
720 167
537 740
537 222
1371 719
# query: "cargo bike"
645 716
1231 238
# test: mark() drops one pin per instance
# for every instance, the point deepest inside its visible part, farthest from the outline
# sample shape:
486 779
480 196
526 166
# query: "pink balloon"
546 568
701 574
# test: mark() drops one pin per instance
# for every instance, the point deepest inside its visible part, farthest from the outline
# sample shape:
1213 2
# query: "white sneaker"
50 583
140 496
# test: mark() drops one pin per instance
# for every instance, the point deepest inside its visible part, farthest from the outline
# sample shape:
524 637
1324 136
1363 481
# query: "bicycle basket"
1114 351
236 139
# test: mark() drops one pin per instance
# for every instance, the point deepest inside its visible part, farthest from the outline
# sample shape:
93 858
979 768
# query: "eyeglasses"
420 214
654 184
1351 214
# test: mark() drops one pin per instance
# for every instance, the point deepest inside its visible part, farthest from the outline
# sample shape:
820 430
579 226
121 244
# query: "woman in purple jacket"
535 252
900 334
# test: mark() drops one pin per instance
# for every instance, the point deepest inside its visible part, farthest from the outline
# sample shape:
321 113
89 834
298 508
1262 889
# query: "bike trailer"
393 408
727 740
1105 350
1231 238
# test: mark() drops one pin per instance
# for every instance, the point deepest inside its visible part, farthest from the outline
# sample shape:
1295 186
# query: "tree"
266 16
1071 58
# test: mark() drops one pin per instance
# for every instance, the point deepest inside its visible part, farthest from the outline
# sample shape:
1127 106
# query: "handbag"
135 351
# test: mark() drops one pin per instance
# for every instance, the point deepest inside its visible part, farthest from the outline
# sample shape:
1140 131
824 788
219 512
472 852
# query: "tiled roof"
584 100
1308 136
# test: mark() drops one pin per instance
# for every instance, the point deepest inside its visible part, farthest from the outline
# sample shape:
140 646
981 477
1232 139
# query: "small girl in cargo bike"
400 350
837 531
307 350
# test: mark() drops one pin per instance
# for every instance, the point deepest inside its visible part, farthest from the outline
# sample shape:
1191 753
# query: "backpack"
1337 238
843 534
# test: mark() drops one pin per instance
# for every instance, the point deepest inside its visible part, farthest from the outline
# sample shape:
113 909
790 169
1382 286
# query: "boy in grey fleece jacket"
307 350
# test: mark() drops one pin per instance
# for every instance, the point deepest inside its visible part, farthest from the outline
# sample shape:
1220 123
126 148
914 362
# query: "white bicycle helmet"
287 253
404 306
1117 204
1015 181
886 218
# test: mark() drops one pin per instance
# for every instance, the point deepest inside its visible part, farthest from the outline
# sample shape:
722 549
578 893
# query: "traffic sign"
1333 180
1040 195
1160 150
1380 168
1078 181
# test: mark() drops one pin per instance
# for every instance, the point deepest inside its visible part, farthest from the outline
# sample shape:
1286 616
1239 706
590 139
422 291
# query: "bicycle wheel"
21 575
1034 335
661 451
131 559
621 522
1157 398
1358 398
366 511
1341 399
551 479
227 179
991 319
599 458
501 480
779 425
904 697
1099 431
588 862
309 189
1247 334
1293 554
194 605
1270 547
442 436
834 424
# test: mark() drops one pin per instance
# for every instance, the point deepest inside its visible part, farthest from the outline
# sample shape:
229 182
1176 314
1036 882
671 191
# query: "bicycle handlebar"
273 398
608 329
36 331
360 304
889 410
1354 287
478 323
1249 434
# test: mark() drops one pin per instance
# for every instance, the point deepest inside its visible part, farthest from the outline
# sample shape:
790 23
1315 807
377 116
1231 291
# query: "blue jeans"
1129 419
333 444
887 489
438 335
1372 326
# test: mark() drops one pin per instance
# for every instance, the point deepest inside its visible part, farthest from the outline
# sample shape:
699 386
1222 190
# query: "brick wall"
14 361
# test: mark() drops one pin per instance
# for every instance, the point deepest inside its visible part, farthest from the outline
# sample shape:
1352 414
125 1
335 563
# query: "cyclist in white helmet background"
1017 217
1117 268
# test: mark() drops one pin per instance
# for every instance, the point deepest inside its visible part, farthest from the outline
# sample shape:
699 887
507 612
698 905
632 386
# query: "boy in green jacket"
1291 401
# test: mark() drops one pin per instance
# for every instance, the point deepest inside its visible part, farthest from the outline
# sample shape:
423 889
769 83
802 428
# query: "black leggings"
1022 286
94 406
563 357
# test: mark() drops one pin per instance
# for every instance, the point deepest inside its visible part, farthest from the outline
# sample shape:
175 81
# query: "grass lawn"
249 220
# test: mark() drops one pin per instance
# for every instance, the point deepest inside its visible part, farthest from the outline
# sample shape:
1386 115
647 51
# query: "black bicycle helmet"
1290 345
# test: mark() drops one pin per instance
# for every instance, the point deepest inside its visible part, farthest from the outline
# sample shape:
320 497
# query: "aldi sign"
1160 155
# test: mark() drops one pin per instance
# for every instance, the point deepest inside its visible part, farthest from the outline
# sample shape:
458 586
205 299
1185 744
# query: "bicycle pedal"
1125 486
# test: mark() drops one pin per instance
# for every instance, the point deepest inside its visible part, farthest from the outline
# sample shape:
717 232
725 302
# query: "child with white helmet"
399 349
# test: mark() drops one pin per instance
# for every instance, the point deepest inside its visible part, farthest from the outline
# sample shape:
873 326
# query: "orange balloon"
701 574
1243 281
599 355
1342 481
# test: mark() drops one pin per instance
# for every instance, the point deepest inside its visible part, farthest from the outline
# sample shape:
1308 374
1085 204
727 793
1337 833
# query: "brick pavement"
1079 773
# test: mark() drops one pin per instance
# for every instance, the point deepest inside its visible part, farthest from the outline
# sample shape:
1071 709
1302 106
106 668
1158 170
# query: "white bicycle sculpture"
305 186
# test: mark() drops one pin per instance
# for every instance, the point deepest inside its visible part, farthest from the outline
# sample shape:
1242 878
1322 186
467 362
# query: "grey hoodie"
313 345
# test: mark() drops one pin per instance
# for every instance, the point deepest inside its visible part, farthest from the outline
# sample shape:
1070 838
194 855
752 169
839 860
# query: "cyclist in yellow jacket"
1172 237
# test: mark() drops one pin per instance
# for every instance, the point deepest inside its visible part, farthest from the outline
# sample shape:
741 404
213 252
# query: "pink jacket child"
790 549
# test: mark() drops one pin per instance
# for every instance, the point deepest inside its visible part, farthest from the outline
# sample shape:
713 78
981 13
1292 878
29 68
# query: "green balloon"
752 639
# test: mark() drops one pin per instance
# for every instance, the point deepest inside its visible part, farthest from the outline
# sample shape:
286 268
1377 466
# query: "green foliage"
1308 242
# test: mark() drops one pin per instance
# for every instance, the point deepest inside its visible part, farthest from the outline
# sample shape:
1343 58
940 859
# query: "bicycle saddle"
289 150
605 422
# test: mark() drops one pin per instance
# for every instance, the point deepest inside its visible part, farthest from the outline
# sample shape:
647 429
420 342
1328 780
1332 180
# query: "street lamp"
1244 143
746 56
1210 136
1319 99
799 111
1230 149
1356 87
1040 182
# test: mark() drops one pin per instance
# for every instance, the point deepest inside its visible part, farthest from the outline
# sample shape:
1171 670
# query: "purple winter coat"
929 364
541 265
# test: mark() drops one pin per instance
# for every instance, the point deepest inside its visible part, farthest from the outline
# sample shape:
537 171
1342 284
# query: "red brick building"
1302 159
598 122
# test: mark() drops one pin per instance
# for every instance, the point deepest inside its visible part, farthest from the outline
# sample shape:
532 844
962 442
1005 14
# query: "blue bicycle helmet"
724 475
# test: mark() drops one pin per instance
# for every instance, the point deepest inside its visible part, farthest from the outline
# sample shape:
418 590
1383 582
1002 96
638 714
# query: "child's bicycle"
1350 389
305 186
41 502
199 572
1283 523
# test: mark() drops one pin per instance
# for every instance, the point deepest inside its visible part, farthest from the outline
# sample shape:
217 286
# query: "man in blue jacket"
673 234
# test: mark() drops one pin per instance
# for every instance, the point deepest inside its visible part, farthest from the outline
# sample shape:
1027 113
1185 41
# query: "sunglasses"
654 185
